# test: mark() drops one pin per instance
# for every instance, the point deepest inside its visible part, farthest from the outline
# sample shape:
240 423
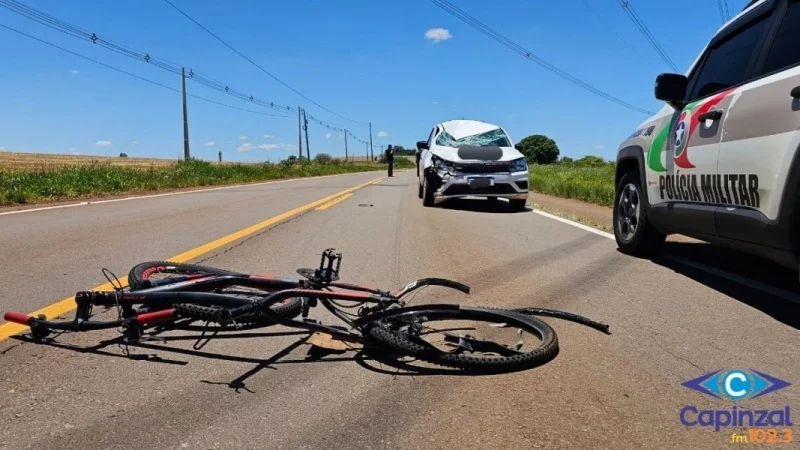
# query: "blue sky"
365 59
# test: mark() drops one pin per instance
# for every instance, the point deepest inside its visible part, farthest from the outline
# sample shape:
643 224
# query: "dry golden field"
39 161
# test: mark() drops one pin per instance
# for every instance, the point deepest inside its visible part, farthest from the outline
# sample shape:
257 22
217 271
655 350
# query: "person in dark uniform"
390 159
419 155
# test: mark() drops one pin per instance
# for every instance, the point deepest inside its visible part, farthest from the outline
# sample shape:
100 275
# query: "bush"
123 155
323 158
587 183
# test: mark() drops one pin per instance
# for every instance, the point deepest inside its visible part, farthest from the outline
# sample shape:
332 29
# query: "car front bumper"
504 185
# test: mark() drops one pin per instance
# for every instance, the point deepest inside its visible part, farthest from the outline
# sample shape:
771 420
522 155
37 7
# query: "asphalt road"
669 323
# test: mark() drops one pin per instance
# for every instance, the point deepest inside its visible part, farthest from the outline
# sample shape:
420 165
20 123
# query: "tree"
123 155
539 149
591 161
565 160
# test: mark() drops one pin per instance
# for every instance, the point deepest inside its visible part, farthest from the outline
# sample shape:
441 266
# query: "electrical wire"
257 65
493 34
639 23
156 83
611 29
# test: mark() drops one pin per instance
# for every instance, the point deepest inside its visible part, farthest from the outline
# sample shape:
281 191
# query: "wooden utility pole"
299 135
186 154
305 126
371 152
345 145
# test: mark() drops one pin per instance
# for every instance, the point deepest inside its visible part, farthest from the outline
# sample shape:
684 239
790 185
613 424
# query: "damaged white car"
465 158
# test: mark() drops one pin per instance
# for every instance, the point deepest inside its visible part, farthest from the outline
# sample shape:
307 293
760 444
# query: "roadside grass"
93 180
573 217
593 184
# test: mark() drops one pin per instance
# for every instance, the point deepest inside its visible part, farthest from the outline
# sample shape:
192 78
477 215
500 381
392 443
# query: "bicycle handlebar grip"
19 318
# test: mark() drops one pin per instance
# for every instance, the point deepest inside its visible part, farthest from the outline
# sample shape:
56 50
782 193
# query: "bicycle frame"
194 290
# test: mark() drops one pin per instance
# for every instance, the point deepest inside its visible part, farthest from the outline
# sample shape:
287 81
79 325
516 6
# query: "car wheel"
419 186
634 234
517 204
427 191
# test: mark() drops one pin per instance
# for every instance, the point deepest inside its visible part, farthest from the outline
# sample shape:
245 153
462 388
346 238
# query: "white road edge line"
165 194
757 285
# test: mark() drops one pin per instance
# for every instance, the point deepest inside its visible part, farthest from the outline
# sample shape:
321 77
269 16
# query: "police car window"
785 50
726 63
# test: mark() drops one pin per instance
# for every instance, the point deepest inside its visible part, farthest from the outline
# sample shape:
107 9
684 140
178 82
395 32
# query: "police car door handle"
795 92
711 115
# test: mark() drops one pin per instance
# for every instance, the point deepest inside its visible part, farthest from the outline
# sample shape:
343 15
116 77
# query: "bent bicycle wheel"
140 275
144 275
472 339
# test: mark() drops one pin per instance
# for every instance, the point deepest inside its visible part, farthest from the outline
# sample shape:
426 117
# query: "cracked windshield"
335 225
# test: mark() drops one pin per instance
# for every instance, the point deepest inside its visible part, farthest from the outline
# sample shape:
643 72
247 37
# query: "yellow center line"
68 304
334 201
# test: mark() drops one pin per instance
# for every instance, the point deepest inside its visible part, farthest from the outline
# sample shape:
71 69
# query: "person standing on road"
419 155
390 159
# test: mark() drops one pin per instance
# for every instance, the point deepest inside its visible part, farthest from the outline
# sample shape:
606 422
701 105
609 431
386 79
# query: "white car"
465 158
720 161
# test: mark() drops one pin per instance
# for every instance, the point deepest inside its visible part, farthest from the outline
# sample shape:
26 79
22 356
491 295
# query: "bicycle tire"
139 274
401 343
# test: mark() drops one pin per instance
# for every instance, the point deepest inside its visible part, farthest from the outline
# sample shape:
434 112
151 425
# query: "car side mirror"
422 145
671 88
518 147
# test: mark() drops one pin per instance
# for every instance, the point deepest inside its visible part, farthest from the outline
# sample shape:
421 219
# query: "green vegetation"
590 179
539 149
39 185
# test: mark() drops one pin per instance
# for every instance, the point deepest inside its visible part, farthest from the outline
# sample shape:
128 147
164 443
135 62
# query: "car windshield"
491 138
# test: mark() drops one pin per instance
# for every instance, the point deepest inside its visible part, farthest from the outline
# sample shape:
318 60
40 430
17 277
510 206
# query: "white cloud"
2 149
269 136
133 143
328 135
435 103
209 144
438 35
246 147
104 144
383 134
74 153
74 71
599 147
242 138
72 149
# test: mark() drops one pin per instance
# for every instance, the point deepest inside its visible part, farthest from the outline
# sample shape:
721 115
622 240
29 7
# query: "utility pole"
305 126
220 156
367 146
185 118
371 152
299 135
345 146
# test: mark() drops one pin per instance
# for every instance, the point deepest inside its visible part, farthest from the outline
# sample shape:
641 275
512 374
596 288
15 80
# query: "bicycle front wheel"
472 339
141 274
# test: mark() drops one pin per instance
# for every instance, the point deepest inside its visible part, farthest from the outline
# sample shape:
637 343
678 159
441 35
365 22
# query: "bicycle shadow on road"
480 205
754 281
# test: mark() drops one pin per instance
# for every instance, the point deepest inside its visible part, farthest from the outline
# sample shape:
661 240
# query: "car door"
761 139
690 189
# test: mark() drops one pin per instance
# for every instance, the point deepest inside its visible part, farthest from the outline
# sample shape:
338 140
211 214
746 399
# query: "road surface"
670 322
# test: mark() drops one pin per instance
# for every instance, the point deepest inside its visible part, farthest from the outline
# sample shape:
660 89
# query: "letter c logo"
738 391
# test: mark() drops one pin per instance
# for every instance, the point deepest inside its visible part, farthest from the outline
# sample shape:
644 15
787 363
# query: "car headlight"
519 165
440 164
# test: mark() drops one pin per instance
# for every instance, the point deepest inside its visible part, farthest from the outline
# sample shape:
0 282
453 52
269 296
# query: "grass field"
43 178
587 183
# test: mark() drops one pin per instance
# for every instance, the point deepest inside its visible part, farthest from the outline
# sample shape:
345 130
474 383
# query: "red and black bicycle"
163 293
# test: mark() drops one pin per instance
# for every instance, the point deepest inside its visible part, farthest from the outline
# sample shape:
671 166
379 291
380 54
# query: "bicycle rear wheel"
420 334
140 275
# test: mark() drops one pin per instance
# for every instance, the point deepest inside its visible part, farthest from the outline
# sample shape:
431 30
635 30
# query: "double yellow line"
68 304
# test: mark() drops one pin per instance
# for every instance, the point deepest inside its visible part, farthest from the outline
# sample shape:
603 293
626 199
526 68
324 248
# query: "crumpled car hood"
476 154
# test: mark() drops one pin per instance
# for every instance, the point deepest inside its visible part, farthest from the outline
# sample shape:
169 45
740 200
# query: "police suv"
719 161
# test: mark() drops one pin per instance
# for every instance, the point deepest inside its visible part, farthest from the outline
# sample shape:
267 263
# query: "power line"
156 83
175 68
54 23
639 23
491 33
611 29
727 9
257 65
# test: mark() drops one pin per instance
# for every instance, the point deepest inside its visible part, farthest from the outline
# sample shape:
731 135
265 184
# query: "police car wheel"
634 234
